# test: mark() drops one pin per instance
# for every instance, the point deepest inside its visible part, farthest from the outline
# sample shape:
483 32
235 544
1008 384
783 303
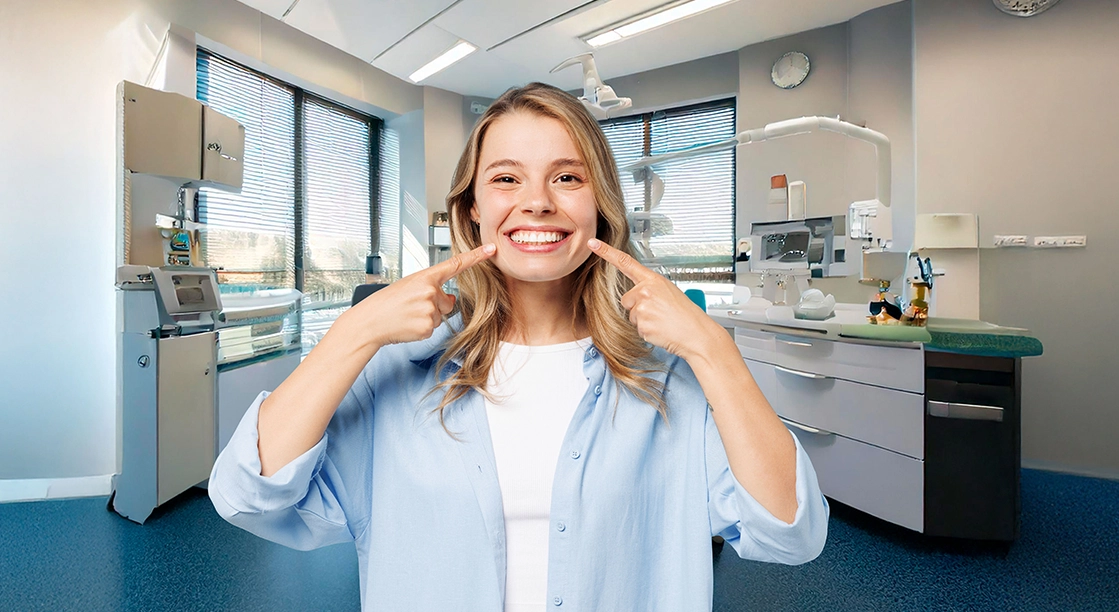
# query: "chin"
537 271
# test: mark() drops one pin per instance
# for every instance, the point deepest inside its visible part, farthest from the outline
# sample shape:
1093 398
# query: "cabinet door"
162 131
223 149
185 447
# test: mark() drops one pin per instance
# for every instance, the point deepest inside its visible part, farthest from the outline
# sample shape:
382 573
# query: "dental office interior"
903 211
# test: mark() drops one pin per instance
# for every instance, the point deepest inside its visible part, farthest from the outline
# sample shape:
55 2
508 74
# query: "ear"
474 213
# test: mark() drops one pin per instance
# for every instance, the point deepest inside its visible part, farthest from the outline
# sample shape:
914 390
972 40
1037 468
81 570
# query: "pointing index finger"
622 261
447 270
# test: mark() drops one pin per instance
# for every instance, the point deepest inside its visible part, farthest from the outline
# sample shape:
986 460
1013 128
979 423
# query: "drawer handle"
802 374
794 342
811 430
971 412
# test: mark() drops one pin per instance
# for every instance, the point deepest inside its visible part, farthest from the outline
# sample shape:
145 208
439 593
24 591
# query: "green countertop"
955 336
986 345
960 336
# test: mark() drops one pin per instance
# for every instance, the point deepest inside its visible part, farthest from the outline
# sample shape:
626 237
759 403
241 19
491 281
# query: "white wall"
62 60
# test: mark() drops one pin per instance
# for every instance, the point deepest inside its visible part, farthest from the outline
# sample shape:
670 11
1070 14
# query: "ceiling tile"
363 28
484 75
273 8
366 28
487 22
426 44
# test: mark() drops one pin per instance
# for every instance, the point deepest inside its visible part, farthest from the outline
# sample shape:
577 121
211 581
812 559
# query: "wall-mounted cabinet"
179 138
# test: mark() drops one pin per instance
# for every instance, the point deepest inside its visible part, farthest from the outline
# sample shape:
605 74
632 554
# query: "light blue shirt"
635 501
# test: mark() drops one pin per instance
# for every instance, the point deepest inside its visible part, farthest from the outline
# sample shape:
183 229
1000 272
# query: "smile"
528 237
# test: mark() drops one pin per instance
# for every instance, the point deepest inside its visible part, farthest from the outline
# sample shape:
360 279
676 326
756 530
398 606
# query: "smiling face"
533 198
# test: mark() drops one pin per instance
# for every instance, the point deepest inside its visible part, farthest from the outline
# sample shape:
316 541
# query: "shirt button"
557 601
593 353
574 454
598 389
560 526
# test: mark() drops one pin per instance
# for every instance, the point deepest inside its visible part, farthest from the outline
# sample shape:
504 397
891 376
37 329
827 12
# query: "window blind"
390 202
691 230
251 235
337 208
337 203
307 214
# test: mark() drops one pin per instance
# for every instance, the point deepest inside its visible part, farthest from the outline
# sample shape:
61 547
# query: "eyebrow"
566 161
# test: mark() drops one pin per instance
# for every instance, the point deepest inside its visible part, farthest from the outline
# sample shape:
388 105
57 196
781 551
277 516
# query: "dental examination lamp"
781 129
598 97
792 127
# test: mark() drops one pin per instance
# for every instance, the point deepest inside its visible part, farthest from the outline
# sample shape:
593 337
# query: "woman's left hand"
664 316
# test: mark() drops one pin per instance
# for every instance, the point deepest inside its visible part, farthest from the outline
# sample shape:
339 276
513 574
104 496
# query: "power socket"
1011 241
1057 242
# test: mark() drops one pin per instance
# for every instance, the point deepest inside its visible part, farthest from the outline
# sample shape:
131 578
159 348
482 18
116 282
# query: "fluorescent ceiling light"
667 15
454 54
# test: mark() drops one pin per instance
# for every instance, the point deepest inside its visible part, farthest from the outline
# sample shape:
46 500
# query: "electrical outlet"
1056 242
1011 241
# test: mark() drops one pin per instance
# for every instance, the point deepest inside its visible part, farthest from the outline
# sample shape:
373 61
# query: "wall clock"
1024 8
790 70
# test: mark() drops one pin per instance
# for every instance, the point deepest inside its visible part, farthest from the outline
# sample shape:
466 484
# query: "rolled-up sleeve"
315 500
748 527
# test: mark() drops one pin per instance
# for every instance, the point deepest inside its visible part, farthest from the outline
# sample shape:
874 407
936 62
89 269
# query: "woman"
532 451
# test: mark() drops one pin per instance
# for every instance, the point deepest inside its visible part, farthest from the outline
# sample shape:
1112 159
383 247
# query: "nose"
537 199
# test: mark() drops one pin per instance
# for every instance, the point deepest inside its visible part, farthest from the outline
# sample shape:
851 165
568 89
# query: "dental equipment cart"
168 392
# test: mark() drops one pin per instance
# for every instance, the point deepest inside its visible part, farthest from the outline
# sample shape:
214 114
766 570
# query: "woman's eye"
569 178
503 179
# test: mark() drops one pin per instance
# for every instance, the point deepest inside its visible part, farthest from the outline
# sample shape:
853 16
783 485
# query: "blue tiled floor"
75 555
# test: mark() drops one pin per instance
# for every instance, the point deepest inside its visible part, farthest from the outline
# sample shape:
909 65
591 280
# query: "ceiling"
521 40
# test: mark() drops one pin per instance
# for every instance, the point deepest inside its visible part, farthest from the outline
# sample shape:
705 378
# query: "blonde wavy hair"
483 297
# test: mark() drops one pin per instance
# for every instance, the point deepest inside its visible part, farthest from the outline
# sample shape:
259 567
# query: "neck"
542 313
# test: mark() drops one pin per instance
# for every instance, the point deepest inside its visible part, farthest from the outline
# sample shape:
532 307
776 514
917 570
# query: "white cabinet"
858 411
925 439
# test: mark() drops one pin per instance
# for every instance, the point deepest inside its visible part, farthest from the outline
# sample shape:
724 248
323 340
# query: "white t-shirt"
537 389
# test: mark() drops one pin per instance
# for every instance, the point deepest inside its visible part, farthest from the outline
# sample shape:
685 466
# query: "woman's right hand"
413 307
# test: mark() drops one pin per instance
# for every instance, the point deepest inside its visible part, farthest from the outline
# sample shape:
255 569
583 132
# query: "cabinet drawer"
894 420
756 345
883 366
876 481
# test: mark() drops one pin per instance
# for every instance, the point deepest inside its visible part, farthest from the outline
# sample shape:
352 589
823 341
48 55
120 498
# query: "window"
689 232
308 212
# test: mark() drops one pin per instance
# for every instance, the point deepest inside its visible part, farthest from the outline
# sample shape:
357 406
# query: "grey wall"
862 72
444 137
469 118
816 159
880 96
1015 120
710 78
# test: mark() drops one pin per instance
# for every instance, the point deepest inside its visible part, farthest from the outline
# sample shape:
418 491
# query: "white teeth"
528 237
